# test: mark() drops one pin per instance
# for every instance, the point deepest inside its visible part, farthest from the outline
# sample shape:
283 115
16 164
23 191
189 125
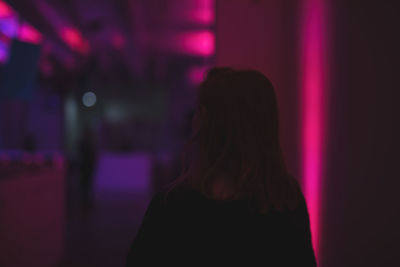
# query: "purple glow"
3 52
129 172
8 22
313 113
8 29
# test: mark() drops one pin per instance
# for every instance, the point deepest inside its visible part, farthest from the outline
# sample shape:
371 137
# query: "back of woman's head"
235 142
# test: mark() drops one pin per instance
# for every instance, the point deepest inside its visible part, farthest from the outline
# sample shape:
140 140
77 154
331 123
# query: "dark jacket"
186 228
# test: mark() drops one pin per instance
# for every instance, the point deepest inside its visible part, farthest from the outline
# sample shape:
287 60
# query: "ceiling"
120 37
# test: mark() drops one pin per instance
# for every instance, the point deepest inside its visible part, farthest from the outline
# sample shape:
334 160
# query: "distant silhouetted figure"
88 155
234 201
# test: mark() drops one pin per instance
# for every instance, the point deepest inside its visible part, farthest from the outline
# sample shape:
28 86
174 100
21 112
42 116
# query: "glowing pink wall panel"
313 69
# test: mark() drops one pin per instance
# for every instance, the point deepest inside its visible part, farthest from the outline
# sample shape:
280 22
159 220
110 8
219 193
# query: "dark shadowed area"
97 99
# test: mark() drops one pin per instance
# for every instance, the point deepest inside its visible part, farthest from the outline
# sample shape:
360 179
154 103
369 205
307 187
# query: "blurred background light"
74 39
29 34
89 99
5 10
196 43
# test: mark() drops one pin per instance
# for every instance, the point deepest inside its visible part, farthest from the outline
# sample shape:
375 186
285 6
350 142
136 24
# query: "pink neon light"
29 34
200 43
5 10
313 69
74 39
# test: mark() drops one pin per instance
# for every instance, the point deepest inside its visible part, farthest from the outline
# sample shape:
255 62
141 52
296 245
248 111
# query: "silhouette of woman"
234 200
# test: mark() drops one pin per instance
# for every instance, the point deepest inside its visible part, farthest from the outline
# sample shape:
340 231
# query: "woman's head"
236 139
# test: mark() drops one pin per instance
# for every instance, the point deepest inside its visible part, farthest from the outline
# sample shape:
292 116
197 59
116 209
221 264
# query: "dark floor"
102 236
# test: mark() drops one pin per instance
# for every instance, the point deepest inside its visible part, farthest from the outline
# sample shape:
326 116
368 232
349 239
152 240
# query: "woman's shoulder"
178 195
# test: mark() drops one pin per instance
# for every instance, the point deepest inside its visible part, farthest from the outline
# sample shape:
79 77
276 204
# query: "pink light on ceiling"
5 10
201 43
74 40
29 34
313 66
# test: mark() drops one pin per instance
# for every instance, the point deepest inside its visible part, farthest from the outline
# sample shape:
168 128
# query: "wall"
361 212
262 35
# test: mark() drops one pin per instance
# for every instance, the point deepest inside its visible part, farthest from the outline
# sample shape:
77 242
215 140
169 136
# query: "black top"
189 229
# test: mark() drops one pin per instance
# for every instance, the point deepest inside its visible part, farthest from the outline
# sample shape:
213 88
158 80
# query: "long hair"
236 136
